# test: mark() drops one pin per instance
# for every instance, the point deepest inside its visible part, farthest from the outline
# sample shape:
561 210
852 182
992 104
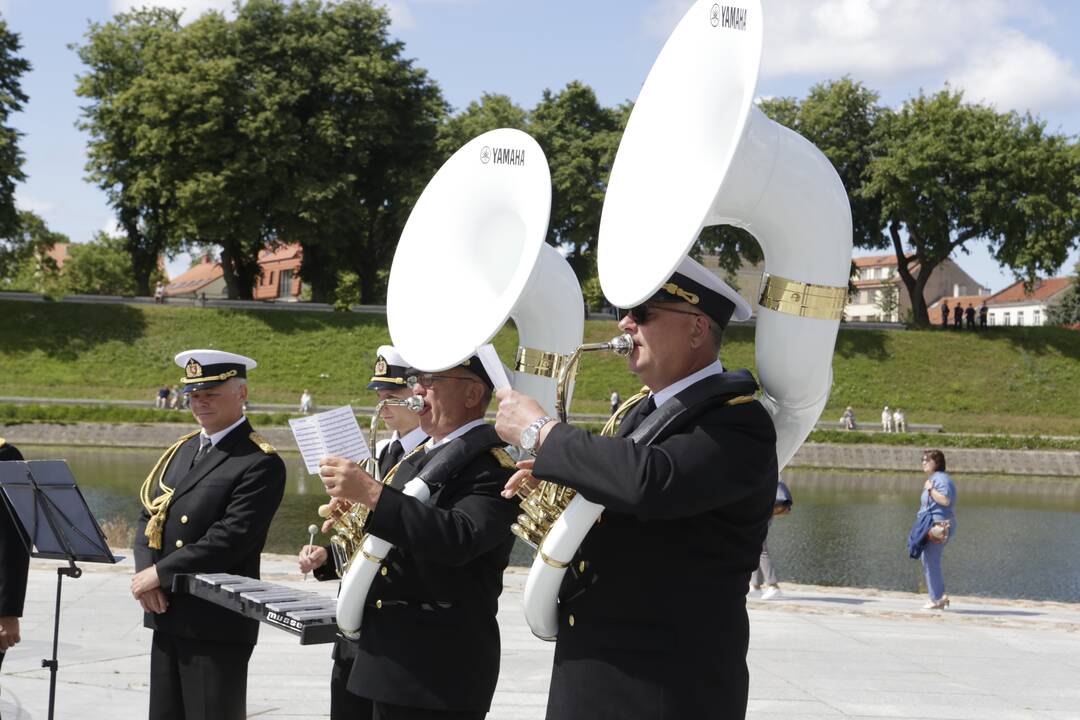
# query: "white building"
1013 306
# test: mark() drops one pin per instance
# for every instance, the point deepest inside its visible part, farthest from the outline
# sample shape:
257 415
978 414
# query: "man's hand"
345 479
154 601
338 508
311 557
516 412
522 482
144 581
9 632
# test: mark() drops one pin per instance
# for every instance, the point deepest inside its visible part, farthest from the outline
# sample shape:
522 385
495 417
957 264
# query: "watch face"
528 437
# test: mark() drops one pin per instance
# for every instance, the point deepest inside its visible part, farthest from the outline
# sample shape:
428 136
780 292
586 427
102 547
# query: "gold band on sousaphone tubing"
793 297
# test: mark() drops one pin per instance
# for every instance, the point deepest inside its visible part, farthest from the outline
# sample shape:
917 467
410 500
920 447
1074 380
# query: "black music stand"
55 523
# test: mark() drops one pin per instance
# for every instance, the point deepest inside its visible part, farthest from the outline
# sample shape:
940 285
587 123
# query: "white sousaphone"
697 152
472 255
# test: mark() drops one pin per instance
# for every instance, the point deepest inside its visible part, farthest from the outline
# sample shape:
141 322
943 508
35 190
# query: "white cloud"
1019 73
112 227
403 13
192 8
401 16
34 205
984 47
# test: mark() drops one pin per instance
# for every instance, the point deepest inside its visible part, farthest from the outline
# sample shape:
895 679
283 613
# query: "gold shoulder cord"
393 471
616 417
262 443
504 458
158 507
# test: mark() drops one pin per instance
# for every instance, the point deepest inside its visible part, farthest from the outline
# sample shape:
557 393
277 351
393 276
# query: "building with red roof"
876 275
1016 306
279 278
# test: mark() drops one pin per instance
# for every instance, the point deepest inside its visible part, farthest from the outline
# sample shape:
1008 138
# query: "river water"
1016 538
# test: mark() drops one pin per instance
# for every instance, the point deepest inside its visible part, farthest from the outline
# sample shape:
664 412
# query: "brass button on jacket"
183 519
383 571
179 543
378 604
571 621
581 566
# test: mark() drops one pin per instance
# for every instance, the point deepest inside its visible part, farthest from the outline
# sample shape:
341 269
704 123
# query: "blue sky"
1015 54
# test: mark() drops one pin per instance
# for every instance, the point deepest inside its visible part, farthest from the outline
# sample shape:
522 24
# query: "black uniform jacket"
652 611
344 648
14 560
429 638
217 522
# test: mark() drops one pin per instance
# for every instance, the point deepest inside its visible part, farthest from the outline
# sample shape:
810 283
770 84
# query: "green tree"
124 157
887 301
99 267
25 263
491 112
948 173
580 138
292 122
12 67
371 148
1066 310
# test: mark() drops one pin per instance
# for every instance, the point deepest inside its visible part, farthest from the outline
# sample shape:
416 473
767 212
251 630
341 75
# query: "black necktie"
391 457
637 416
204 447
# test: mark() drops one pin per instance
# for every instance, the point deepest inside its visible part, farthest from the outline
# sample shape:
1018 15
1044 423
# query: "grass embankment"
1017 381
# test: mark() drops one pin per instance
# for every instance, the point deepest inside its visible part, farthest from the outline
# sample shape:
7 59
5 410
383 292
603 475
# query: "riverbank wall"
1051 463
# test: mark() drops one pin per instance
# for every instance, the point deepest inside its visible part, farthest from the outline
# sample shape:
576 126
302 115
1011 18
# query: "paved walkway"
819 653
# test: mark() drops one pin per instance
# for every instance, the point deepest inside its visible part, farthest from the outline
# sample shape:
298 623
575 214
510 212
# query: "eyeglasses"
426 380
642 313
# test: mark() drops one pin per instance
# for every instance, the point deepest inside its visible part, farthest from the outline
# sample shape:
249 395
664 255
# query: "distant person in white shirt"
899 421
305 402
886 420
615 401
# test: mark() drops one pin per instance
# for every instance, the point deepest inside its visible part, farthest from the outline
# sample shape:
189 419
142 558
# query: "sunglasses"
643 313
426 380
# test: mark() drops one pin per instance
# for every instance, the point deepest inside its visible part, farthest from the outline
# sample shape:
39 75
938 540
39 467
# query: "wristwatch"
531 435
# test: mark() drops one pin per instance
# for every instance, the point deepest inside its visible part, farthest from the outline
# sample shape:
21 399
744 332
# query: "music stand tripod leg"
73 571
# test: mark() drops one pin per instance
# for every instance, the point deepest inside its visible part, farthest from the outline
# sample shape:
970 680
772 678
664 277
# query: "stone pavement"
817 654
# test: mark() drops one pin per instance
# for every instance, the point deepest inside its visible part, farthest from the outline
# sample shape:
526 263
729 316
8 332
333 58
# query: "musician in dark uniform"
14 564
207 506
429 641
652 612
389 381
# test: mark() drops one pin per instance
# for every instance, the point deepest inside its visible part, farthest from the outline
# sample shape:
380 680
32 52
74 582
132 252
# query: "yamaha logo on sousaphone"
727 16
502 156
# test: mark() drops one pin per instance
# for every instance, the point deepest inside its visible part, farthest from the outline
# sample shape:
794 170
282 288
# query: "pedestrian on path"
765 576
937 514
886 420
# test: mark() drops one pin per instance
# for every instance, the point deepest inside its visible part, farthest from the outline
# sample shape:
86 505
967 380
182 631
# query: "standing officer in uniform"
429 642
14 565
207 506
652 610
389 381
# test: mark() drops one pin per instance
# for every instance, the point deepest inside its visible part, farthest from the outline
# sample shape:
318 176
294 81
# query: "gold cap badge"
380 366
193 369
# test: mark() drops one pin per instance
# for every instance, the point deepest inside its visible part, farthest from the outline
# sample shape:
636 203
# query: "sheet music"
493 365
333 432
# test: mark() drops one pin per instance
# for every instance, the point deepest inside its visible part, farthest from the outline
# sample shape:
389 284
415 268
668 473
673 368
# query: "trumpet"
348 519
547 501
